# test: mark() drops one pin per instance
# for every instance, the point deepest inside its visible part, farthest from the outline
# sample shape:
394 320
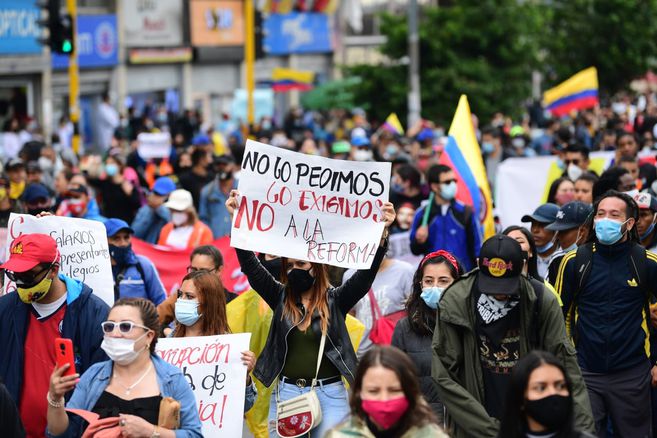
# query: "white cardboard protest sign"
399 248
310 208
154 145
213 367
82 246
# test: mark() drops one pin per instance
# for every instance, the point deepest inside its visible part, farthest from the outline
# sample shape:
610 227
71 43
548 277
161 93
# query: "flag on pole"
392 124
471 164
286 79
576 93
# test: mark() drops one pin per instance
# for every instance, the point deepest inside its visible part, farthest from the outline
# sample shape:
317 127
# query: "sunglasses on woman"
125 327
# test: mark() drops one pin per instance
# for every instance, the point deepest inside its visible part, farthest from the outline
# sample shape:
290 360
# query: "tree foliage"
474 47
619 37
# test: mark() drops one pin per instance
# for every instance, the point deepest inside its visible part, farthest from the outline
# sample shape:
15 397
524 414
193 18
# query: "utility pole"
249 57
74 77
414 101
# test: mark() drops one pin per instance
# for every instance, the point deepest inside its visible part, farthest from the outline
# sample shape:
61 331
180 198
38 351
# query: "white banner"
213 367
399 248
82 245
154 145
522 183
310 208
152 23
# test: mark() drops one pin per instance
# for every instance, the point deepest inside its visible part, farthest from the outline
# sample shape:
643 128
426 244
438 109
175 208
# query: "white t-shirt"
391 288
179 236
45 310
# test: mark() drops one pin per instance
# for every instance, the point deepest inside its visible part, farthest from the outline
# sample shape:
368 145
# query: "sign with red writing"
310 208
214 370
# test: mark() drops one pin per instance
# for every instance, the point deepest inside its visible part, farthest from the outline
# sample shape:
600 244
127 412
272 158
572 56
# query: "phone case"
64 354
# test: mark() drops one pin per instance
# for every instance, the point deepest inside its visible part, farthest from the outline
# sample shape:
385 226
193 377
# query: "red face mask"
564 198
385 413
77 207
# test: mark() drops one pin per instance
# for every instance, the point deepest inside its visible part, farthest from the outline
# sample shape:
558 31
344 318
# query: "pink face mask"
385 413
564 198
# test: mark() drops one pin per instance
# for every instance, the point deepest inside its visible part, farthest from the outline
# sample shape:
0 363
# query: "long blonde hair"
318 300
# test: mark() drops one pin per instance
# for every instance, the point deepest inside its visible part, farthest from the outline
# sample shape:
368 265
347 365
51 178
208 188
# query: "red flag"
171 264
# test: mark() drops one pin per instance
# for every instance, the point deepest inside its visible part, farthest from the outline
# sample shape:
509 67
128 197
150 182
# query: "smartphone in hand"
64 354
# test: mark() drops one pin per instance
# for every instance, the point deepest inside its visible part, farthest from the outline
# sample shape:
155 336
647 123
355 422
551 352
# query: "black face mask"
273 266
300 281
551 411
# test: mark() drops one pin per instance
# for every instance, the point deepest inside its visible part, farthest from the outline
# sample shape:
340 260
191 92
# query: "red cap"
28 250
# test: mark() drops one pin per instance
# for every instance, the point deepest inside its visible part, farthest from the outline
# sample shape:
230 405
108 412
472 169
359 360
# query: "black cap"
544 214
500 266
571 215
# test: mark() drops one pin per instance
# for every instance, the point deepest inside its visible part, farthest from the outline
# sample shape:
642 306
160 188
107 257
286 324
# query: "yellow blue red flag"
465 155
575 93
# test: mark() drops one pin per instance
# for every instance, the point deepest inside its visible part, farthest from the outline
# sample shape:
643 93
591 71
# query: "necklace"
131 387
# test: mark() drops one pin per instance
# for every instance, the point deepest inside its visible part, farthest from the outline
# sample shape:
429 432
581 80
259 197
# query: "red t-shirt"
39 363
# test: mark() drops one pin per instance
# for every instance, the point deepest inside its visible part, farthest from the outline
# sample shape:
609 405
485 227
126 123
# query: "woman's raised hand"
231 202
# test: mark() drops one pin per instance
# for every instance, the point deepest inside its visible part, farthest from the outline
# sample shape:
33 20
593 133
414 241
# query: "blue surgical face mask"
487 147
187 312
448 191
122 255
543 249
431 295
608 231
111 169
648 231
397 188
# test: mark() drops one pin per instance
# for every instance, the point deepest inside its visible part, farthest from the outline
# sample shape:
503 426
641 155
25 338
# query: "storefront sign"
160 56
153 23
217 22
297 33
97 43
19 30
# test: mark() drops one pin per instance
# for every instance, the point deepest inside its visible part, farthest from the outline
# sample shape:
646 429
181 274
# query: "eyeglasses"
448 181
191 269
575 162
27 279
125 327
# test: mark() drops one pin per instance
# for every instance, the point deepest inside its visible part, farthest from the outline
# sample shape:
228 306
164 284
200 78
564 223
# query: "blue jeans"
333 399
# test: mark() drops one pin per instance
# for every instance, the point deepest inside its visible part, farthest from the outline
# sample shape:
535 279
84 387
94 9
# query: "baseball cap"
164 186
426 134
223 159
179 200
35 191
15 164
645 201
340 147
571 215
201 140
545 214
77 190
29 250
33 166
114 225
500 265
360 141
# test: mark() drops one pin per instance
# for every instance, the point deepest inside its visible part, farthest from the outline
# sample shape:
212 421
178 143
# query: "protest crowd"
443 321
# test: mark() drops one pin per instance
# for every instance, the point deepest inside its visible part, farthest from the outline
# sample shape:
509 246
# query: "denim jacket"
172 384
212 209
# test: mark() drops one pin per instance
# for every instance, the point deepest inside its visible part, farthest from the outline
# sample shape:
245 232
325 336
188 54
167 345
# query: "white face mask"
121 350
178 218
574 171
362 155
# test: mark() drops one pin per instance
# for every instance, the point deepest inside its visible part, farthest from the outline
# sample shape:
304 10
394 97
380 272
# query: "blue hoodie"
84 313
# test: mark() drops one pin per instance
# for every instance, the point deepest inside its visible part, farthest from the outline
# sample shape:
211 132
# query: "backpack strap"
535 331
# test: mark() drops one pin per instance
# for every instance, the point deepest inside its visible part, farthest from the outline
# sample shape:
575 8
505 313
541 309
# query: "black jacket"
340 300
418 348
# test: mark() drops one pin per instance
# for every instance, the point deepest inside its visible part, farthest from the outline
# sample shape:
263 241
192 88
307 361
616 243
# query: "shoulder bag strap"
322 342
374 305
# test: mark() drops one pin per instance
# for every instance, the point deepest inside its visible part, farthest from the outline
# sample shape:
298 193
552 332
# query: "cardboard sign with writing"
82 245
310 208
154 145
213 367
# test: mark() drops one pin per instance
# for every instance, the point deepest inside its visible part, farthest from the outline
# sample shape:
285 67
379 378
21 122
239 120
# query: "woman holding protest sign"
413 334
308 327
130 389
386 401
201 311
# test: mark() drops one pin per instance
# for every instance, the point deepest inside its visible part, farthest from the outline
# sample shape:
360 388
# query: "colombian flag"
463 154
392 124
286 79
576 93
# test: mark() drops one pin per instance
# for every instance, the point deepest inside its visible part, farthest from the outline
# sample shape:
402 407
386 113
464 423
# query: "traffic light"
259 35
60 27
